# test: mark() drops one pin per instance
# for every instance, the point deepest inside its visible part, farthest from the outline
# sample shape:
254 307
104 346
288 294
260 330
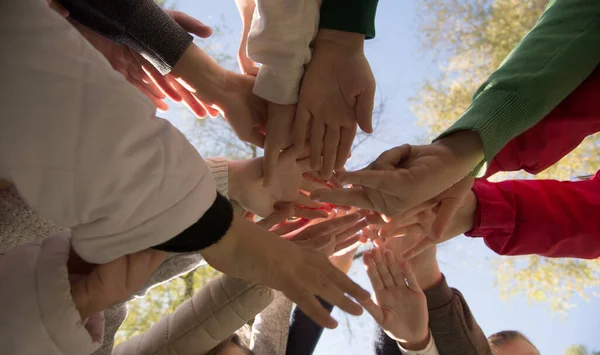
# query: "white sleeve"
430 349
279 39
84 147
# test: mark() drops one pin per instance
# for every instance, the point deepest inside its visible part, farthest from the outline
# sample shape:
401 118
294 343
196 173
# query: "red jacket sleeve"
561 131
546 217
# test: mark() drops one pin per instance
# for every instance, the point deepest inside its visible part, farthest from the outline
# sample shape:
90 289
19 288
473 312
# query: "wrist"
421 342
347 40
222 251
466 214
202 75
466 146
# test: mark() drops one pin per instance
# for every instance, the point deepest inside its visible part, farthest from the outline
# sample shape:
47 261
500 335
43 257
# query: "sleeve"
219 169
356 16
430 349
304 334
555 57
200 323
38 313
452 324
279 40
557 134
84 149
270 327
546 217
140 24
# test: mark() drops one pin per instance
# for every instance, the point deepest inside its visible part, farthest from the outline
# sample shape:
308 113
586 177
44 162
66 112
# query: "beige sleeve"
279 40
200 323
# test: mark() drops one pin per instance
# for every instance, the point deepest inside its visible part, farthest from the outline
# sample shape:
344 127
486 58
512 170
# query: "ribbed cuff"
492 212
497 116
439 295
209 229
356 16
219 169
157 37
279 85
423 351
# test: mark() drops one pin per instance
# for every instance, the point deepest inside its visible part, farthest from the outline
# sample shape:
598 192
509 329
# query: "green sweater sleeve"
559 53
349 16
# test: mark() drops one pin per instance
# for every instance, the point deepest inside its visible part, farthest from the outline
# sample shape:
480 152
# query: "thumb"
191 24
364 110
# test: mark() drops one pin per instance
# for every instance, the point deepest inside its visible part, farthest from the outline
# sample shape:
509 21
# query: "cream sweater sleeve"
279 40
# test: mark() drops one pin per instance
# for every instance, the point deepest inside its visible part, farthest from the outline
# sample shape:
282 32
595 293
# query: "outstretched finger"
288 227
343 153
343 283
382 268
392 264
301 123
409 275
348 197
311 307
191 24
347 243
330 148
330 226
317 132
364 110
163 82
275 218
310 213
372 272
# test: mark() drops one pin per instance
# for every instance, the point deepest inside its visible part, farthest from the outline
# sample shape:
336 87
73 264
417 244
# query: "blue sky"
399 68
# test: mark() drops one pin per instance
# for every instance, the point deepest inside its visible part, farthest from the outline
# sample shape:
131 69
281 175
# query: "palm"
390 300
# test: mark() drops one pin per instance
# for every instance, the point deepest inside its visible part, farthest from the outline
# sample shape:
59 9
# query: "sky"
399 68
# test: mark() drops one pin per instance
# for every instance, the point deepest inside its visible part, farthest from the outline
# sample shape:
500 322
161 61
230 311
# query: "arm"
200 323
555 135
555 57
90 154
356 16
270 328
545 217
279 39
39 314
140 24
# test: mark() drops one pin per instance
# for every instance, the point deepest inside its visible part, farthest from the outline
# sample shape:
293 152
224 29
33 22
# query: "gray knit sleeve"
140 24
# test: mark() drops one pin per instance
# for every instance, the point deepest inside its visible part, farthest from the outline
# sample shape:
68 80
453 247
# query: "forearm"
555 57
557 134
357 16
279 39
200 323
121 179
452 324
545 217
140 24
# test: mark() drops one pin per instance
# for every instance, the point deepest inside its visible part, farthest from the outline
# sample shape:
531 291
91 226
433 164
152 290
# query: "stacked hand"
400 306
337 93
250 252
140 73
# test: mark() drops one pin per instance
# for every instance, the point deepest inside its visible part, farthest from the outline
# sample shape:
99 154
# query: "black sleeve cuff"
209 229
356 16
139 24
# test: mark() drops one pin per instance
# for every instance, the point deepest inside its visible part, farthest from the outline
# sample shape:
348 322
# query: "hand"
337 93
405 176
250 252
246 10
115 282
401 306
448 215
140 73
246 185
330 236
280 126
228 92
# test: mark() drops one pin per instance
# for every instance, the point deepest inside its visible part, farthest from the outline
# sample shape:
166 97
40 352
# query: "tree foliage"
580 350
470 39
